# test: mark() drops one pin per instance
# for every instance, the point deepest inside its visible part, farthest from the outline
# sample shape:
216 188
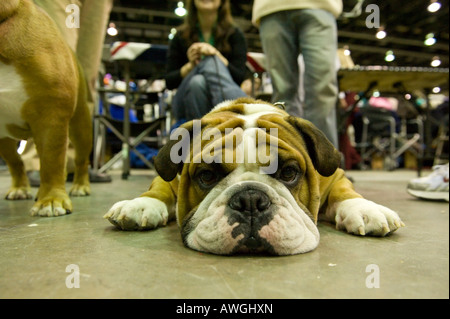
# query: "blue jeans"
207 85
313 33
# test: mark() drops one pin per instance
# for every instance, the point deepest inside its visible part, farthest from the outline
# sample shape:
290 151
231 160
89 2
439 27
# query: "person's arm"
177 62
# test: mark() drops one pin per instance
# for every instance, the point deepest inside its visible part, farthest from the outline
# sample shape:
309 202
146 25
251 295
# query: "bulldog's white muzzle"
250 216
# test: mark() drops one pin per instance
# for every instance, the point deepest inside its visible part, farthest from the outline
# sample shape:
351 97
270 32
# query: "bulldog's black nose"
251 200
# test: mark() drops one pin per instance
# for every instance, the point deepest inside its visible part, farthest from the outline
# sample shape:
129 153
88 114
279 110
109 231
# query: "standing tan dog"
42 95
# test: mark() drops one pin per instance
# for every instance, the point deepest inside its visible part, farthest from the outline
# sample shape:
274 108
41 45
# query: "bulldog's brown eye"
208 178
289 175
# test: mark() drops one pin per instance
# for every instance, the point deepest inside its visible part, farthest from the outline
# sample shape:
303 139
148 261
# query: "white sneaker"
433 186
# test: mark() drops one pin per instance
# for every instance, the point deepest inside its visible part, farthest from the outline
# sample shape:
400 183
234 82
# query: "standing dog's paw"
55 203
141 213
80 190
16 193
363 217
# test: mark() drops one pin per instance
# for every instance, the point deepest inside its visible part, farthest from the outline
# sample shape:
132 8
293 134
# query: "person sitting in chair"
206 59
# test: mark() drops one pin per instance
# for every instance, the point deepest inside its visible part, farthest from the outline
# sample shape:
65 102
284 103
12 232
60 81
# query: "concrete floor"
34 253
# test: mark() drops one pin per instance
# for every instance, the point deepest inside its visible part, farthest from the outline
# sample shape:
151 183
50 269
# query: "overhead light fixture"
435 62
429 39
347 51
434 6
381 34
180 10
436 90
389 56
112 31
172 33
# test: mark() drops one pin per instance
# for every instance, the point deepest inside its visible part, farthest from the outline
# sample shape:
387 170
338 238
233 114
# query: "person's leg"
318 43
189 95
209 84
197 98
279 38
57 11
94 17
221 85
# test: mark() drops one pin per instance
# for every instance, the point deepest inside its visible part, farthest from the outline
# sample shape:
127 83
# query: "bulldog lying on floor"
42 95
250 178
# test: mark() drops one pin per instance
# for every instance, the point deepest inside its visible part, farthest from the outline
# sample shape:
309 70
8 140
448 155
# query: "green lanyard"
202 39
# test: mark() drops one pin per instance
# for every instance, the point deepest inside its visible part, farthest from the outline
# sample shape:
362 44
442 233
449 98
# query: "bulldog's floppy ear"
169 162
325 157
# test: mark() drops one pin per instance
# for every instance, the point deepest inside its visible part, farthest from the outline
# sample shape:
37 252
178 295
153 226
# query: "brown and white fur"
43 95
227 207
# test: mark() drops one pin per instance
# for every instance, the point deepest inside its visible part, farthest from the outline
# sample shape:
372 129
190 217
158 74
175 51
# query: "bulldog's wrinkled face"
247 211
248 179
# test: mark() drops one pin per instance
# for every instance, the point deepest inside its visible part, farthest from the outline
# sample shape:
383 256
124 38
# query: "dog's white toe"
80 190
141 213
363 217
17 193
49 211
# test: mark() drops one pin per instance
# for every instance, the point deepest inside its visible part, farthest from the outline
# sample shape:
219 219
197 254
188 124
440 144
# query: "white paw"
48 211
80 190
138 214
363 217
55 203
16 193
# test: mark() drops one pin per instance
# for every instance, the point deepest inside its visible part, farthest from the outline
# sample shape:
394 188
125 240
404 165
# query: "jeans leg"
209 84
280 44
192 99
220 83
197 98
318 42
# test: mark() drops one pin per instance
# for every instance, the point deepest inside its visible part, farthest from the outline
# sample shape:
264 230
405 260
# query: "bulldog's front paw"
56 203
363 217
16 193
141 213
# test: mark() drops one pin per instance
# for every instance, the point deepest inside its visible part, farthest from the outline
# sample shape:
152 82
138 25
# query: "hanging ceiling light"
389 56
381 34
347 51
435 62
172 33
429 39
436 89
180 10
112 31
434 6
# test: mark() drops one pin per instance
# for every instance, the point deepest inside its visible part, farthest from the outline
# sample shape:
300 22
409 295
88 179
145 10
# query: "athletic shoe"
433 186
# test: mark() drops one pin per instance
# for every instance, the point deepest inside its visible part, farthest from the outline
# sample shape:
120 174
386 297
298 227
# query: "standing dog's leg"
20 188
80 133
51 136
